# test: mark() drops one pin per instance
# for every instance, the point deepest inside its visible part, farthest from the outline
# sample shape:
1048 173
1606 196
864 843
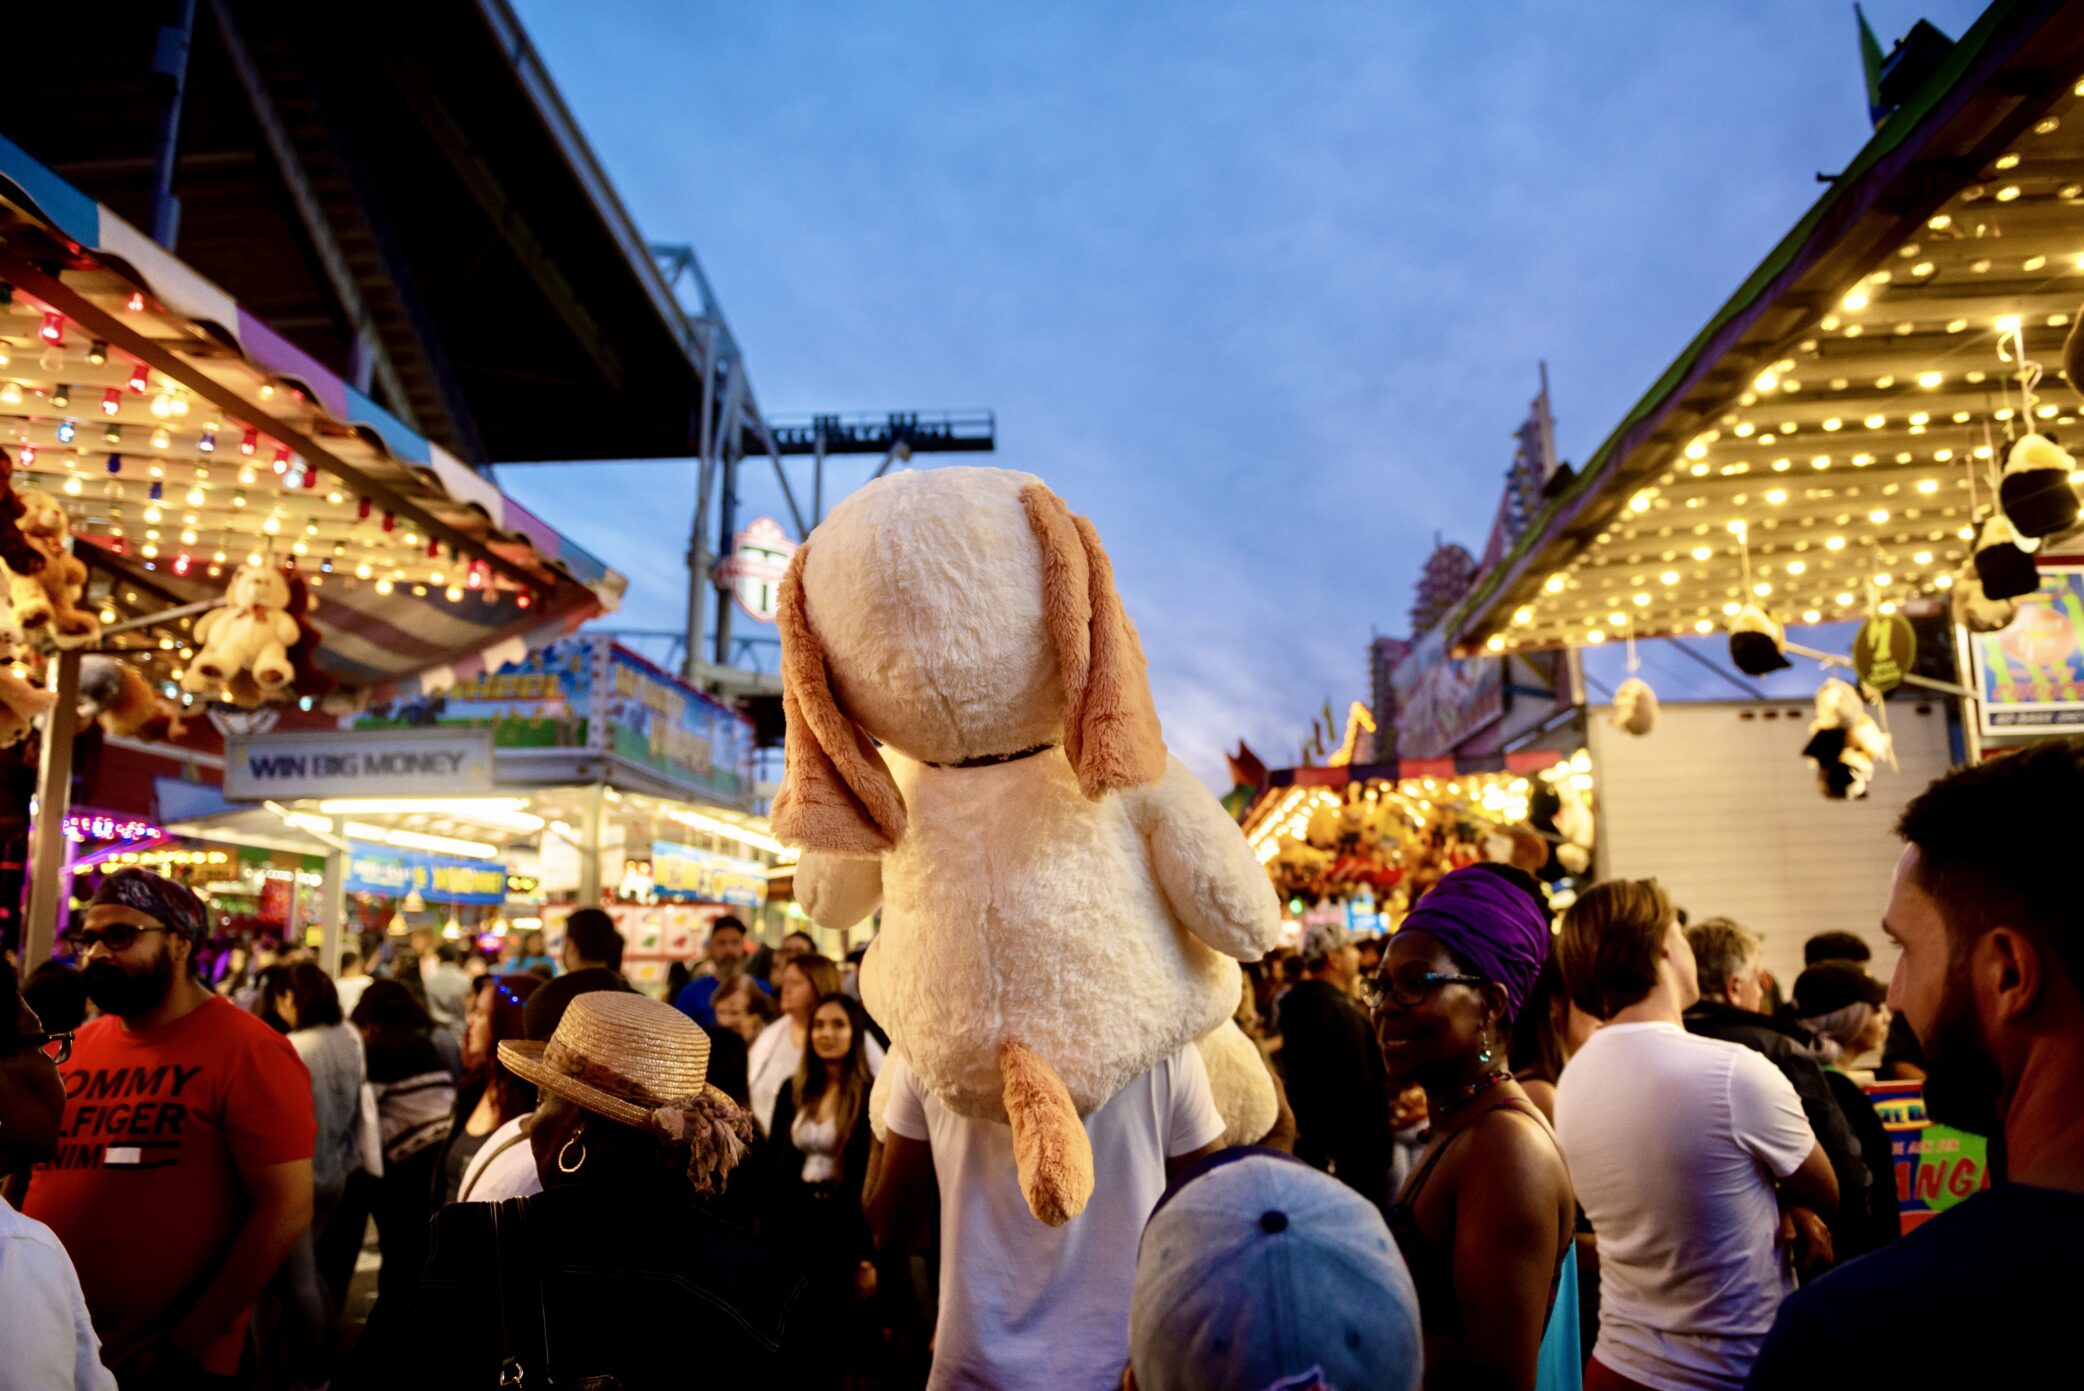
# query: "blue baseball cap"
1260 1273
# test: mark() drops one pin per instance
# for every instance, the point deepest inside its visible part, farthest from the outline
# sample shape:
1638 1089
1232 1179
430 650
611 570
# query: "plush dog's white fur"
1024 900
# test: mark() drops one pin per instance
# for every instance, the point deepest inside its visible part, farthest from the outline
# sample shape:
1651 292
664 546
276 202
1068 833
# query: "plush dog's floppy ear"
1111 732
837 794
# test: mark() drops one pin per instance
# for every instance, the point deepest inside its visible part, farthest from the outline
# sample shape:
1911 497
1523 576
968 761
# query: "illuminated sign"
362 763
753 570
393 873
682 871
101 825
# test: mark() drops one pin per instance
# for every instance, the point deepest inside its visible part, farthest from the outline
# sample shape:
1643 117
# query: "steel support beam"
170 61
372 359
48 879
333 913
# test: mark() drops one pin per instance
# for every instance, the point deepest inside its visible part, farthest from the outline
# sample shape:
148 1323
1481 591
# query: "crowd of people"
1607 1151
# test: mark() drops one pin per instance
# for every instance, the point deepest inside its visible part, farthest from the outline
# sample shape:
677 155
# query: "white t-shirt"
773 1060
1675 1143
1028 1305
47 1337
503 1167
350 989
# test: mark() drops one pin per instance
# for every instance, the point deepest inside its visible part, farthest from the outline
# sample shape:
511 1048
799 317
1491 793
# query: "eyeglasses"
1412 988
116 937
56 1047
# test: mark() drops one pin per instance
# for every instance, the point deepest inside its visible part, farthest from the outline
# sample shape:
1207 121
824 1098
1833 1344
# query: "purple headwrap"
1489 923
171 904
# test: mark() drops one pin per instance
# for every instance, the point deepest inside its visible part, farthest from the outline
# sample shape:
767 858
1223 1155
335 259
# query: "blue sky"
1259 287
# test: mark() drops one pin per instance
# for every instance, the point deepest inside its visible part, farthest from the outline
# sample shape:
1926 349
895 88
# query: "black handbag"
524 1319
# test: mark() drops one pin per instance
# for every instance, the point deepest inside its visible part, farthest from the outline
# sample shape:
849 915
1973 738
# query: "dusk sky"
1260 288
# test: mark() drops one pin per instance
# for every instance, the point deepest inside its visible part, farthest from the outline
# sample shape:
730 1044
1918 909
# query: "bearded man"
1986 910
183 1170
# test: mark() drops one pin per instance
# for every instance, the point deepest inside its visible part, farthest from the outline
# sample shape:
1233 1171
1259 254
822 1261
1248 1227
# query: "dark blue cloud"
1260 287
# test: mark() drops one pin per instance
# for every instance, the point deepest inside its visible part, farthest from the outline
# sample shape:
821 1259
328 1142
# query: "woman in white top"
47 1340
817 1161
778 1051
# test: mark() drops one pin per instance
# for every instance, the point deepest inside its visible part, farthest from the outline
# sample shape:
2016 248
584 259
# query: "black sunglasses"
1413 989
116 937
56 1047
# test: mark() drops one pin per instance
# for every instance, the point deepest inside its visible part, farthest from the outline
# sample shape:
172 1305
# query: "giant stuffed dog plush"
1064 905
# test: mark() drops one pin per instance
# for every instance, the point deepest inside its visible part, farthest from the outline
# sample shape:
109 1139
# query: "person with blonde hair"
1681 1149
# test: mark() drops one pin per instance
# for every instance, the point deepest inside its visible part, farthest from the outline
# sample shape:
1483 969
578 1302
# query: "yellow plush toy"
1064 905
50 597
252 632
20 701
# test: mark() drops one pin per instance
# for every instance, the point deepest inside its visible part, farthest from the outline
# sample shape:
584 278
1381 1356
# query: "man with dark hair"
1992 979
1836 946
183 1171
592 940
50 1335
1732 1008
726 956
1331 1064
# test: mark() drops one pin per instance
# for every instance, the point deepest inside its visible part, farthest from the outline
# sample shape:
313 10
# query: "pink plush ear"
837 794
1111 732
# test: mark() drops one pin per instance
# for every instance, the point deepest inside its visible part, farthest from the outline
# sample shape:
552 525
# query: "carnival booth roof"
1822 445
402 189
184 436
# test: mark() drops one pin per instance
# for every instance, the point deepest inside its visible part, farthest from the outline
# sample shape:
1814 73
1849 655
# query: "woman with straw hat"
613 1275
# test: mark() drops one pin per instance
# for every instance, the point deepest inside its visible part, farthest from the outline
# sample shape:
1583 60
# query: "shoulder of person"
31 1241
1513 1147
1755 1067
229 1023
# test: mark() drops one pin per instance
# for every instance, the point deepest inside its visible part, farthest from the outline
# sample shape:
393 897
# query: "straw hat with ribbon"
644 1064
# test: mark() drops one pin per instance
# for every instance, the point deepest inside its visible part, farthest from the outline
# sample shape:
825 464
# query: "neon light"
102 825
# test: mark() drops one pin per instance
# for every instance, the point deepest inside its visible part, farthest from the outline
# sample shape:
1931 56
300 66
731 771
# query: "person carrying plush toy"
1064 906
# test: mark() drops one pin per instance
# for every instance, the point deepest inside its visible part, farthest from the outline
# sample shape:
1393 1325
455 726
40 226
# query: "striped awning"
183 435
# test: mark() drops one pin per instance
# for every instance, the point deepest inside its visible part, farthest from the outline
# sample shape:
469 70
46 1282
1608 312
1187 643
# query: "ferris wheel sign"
754 568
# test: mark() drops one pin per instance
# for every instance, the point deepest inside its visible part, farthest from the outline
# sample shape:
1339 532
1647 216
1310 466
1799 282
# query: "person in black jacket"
613 1275
1731 1008
1846 1013
1331 1063
816 1152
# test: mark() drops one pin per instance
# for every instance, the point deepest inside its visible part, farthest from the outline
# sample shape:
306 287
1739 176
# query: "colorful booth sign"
682 871
1936 1165
380 869
588 693
2030 673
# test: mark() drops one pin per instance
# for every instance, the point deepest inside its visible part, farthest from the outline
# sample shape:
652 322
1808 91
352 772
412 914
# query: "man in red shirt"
183 1170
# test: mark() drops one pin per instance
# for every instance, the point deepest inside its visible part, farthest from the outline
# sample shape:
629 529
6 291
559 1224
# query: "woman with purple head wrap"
1486 1218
